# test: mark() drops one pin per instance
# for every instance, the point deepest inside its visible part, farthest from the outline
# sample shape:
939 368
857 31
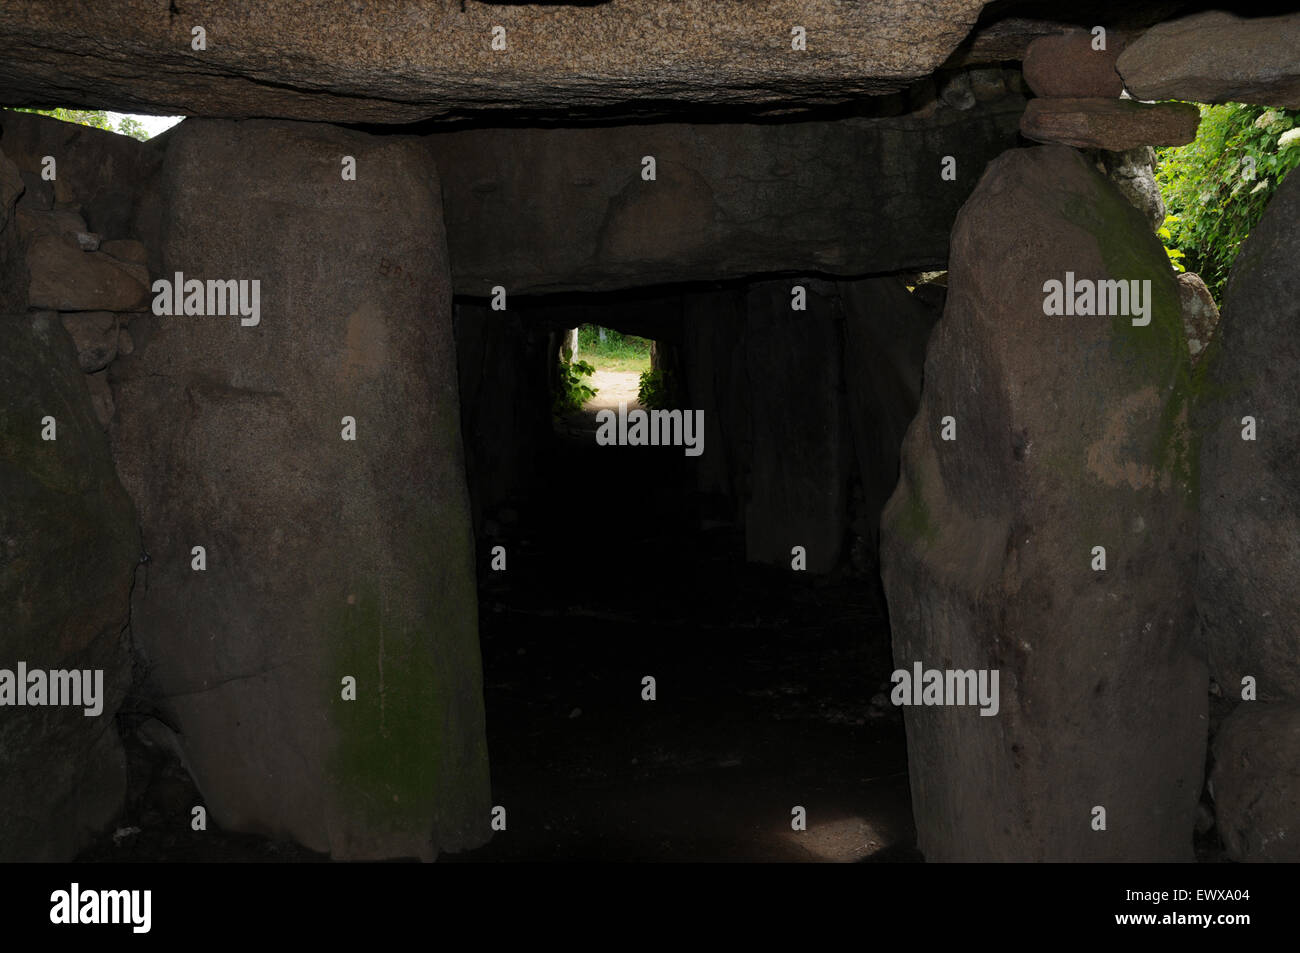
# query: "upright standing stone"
802 446
68 546
503 361
326 558
1250 490
885 332
1257 782
13 260
1070 434
713 359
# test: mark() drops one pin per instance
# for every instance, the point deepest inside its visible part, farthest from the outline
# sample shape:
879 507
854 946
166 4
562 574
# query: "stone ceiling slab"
378 62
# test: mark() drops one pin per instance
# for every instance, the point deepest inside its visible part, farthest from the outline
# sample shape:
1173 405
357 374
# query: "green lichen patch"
409 753
385 759
1157 350
913 522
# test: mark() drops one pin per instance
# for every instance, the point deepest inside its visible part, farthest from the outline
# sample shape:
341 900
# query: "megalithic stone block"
1070 433
802 445
325 557
1250 492
429 58
69 548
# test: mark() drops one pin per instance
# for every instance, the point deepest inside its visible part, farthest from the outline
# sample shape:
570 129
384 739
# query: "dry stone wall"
68 551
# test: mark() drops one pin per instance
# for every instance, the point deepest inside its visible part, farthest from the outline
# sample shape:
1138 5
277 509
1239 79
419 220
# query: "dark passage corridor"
763 680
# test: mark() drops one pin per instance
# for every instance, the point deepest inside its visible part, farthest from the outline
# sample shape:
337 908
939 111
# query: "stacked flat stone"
1217 57
91 283
71 222
1079 89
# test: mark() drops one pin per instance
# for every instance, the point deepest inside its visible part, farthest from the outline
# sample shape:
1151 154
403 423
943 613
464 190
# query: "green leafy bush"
132 127
655 389
1166 236
573 391
1216 188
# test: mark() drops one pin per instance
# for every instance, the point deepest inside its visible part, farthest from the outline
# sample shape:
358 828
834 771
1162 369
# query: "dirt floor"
612 387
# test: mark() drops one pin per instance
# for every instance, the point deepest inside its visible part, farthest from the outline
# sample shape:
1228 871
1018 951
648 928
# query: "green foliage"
131 127
616 346
652 392
96 118
621 353
1216 188
573 391
913 521
1166 237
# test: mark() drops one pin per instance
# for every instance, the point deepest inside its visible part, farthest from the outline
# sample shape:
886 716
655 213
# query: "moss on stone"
386 755
401 760
1158 350
913 522
445 552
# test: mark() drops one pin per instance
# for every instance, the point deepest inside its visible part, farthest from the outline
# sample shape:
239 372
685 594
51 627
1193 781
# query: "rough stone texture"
1112 124
94 335
39 196
716 382
1070 435
1256 782
728 200
782 447
68 273
802 446
504 362
1216 57
667 363
325 558
1250 490
102 173
65 278
12 186
1004 32
13 261
885 332
125 249
569 344
101 397
1065 66
1200 313
1133 172
411 61
55 221
955 90
988 84
68 547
